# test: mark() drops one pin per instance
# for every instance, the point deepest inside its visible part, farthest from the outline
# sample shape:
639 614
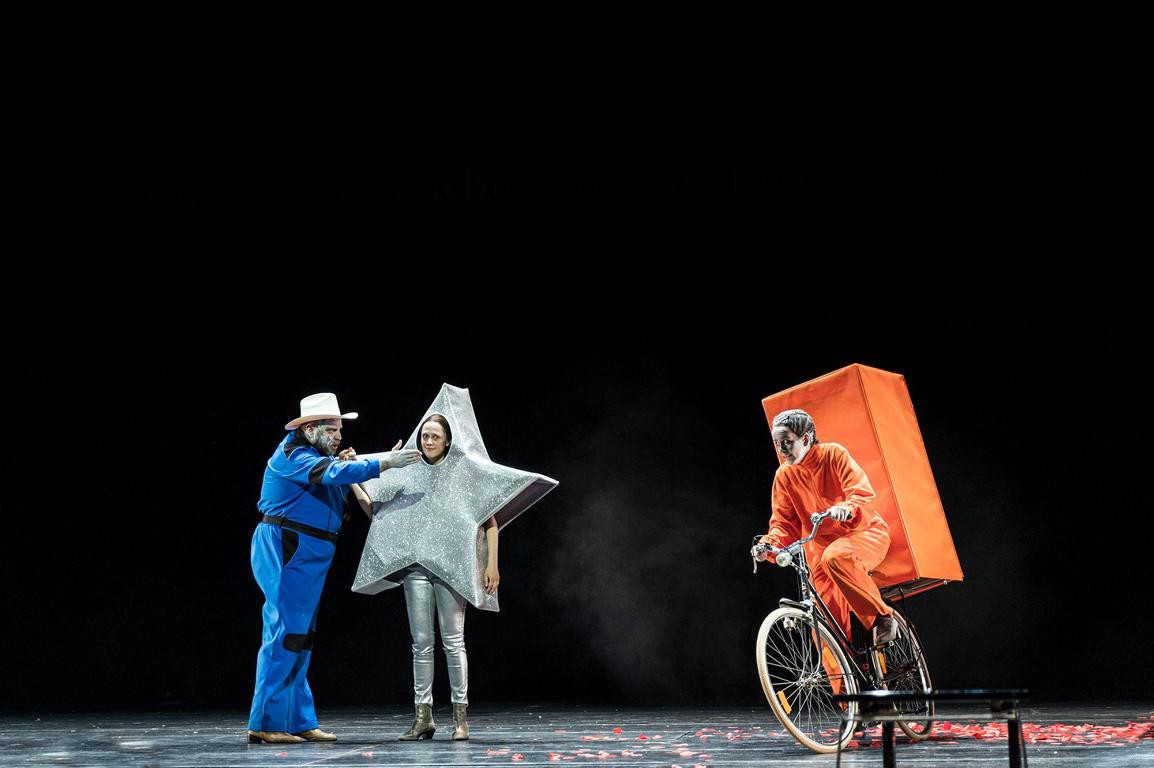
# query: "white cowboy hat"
322 405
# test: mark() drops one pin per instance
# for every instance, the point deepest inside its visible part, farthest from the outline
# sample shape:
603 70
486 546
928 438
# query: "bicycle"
803 660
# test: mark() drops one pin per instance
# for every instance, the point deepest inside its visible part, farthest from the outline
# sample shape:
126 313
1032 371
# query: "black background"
128 569
199 266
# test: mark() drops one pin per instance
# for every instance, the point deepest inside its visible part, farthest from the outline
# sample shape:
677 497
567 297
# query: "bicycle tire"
801 667
902 666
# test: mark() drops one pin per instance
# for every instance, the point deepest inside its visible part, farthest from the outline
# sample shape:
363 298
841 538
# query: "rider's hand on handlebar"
841 514
766 542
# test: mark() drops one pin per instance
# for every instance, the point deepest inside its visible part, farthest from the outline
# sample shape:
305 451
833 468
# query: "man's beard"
322 442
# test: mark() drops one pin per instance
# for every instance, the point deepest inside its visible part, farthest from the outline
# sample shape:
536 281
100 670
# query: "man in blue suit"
302 502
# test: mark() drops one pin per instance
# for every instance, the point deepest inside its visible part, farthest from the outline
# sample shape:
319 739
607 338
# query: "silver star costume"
427 521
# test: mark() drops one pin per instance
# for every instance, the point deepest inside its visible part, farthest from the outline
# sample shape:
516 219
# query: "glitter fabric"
432 514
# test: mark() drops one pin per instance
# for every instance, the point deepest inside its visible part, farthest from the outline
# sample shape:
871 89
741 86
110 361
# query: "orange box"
869 411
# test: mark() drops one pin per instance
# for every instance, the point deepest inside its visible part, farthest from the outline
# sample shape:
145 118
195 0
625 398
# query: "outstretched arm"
784 520
398 457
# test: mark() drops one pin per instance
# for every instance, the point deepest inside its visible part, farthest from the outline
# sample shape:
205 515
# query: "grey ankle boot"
423 726
460 724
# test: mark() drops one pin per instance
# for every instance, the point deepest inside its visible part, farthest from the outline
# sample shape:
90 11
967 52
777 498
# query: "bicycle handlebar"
783 556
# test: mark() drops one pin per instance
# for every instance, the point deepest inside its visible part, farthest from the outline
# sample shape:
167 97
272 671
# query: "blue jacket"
305 487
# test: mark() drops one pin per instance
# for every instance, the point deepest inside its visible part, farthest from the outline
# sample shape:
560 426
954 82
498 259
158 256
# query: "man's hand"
348 454
398 458
839 513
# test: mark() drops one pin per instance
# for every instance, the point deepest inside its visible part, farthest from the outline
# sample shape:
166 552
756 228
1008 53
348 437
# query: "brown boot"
423 726
316 734
460 724
885 630
272 737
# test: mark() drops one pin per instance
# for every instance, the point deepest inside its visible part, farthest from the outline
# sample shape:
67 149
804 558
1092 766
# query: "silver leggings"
424 595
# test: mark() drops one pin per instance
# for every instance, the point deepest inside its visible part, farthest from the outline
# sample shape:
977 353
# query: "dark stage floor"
1101 735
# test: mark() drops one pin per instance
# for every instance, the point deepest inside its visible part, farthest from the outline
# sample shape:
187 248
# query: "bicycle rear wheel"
902 667
801 667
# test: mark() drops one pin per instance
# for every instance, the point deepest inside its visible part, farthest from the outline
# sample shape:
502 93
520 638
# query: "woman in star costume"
426 596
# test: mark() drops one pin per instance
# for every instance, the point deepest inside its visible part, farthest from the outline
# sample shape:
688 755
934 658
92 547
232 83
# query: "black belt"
308 530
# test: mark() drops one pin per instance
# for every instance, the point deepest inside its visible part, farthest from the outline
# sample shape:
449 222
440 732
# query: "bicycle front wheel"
802 667
901 665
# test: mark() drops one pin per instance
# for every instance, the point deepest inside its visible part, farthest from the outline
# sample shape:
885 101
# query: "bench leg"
1014 732
888 743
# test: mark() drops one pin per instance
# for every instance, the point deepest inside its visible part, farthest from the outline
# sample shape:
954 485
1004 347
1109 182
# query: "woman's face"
791 447
432 441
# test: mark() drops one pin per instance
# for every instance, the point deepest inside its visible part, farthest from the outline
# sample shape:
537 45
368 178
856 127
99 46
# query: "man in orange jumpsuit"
815 477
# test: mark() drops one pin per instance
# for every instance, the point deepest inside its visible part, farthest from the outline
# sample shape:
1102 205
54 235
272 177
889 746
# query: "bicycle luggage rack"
910 588
879 705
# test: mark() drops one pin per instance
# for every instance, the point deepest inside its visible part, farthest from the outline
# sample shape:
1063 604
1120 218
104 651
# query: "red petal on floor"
617 730
1054 733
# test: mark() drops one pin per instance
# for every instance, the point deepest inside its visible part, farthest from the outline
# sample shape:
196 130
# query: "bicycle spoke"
905 670
802 670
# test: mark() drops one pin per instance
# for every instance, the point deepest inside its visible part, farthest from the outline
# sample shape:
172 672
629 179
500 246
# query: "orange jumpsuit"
843 554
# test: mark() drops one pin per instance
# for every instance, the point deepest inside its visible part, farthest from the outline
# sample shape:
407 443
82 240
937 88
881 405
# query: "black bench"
879 705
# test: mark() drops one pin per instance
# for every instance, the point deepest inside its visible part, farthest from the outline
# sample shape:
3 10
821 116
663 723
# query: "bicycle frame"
811 601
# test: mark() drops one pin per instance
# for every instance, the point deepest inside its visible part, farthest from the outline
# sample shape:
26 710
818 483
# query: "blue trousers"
290 568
